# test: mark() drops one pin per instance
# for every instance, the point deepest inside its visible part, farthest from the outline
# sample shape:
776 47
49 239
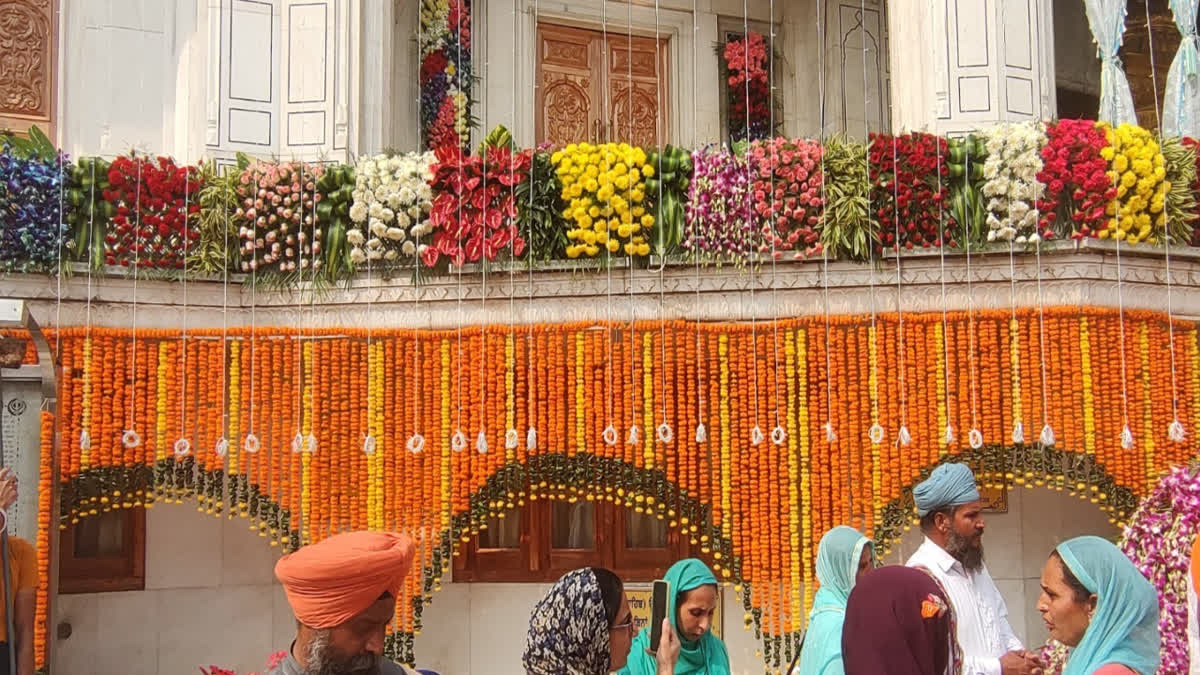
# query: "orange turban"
332 581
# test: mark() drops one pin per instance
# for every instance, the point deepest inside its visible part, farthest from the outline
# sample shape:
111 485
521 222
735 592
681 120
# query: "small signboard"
639 605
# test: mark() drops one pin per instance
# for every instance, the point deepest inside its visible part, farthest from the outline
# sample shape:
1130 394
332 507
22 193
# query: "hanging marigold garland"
756 512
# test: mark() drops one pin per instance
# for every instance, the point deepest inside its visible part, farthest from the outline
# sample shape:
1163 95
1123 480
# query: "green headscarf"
706 655
837 567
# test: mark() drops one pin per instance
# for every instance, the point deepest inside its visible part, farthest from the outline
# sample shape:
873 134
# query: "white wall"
210 598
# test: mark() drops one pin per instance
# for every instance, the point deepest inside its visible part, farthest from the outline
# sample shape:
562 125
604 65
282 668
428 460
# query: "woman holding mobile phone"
692 603
583 627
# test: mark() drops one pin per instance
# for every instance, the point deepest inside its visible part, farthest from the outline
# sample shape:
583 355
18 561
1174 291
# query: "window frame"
536 561
124 572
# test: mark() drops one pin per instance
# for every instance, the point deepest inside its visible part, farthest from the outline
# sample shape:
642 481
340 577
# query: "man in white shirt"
951 512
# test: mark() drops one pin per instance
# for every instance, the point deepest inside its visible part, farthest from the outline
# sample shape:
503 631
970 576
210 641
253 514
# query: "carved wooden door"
580 74
28 64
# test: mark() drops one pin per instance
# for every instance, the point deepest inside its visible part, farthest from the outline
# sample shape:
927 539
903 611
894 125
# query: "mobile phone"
658 611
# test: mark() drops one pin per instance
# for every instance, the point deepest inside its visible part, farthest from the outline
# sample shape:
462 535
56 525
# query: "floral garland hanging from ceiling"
445 46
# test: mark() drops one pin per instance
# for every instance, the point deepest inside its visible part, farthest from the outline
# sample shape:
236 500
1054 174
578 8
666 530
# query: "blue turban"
948 485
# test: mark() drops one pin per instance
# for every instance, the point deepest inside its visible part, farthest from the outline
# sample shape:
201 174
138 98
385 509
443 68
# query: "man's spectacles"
627 626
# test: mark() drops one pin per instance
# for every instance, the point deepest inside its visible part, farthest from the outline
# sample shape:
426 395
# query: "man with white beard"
343 592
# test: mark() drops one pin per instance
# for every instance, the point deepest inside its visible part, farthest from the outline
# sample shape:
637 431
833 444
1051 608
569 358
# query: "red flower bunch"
474 214
1195 146
906 187
1075 175
150 227
433 64
746 61
460 19
787 195
443 132
275 217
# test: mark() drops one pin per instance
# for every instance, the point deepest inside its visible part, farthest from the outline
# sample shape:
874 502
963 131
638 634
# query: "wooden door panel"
637 74
567 89
580 72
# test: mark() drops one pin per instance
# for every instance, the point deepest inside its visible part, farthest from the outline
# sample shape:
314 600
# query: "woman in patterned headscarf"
583 627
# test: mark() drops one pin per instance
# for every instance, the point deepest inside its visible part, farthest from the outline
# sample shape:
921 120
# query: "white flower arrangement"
1011 184
390 212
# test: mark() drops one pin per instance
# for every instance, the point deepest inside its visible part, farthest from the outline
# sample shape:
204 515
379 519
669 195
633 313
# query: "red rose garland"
917 194
1075 175
474 214
150 227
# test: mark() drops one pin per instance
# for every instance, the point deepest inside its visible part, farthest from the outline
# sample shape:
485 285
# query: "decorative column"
966 64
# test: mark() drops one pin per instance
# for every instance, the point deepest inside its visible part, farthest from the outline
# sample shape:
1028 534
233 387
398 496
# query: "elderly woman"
899 622
843 557
1095 601
584 627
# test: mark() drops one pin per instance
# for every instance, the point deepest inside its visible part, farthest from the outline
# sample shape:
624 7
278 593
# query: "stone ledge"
1071 274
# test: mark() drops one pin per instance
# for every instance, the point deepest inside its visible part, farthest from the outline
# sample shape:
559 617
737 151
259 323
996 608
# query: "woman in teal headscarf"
842 557
1095 601
692 603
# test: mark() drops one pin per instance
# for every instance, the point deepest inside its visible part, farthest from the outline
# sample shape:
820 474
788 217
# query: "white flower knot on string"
297 442
778 435
609 435
251 443
876 433
182 447
701 433
222 448
1127 438
904 437
1046 438
310 443
85 440
665 433
635 435
1175 432
392 201
756 435
531 439
511 439
131 438
975 439
415 444
830 434
458 442
369 445
1018 434
949 436
481 442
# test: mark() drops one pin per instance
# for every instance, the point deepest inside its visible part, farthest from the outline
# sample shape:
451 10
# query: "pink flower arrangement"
746 61
475 213
787 196
272 663
275 217
1078 189
1158 539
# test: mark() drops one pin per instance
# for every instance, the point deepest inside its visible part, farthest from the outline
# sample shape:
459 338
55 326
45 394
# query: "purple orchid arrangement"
1159 540
720 223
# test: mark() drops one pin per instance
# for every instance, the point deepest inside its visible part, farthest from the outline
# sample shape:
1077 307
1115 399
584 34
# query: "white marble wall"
210 599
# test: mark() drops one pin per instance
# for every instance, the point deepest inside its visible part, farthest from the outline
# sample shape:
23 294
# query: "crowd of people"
940 614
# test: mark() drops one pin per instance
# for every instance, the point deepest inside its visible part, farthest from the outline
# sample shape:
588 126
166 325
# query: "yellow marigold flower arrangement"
603 193
1137 170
